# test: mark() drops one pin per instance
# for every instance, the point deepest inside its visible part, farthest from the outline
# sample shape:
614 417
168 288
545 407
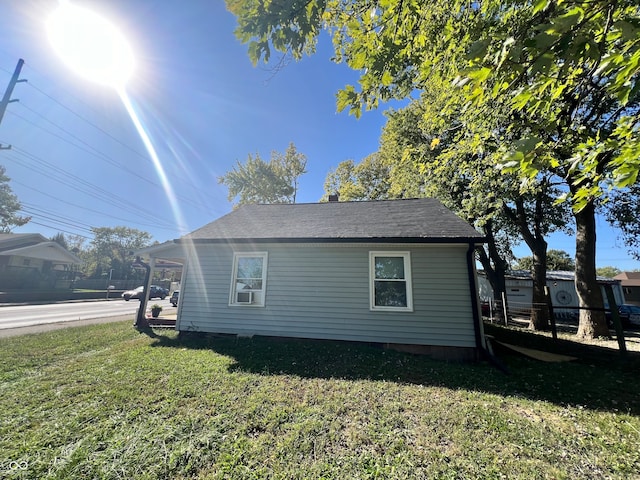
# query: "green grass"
106 402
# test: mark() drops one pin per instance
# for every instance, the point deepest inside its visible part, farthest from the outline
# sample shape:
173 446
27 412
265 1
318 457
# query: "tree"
572 65
112 248
455 147
623 212
9 206
290 166
75 243
257 181
366 180
608 271
60 239
557 260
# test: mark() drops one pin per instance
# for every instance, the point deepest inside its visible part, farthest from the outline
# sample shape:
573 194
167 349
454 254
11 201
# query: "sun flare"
90 45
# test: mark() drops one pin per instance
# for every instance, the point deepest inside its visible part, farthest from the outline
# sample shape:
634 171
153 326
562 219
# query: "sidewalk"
48 327
163 321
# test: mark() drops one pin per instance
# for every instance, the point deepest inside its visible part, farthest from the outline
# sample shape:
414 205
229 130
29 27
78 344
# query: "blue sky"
78 162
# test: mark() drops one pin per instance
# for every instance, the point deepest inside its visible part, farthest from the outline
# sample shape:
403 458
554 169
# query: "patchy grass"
107 402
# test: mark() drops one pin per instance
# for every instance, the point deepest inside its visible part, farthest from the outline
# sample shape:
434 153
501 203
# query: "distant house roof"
17 240
629 279
423 220
557 275
34 245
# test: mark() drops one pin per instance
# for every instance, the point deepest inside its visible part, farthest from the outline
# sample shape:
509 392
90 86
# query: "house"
562 291
29 260
396 272
630 282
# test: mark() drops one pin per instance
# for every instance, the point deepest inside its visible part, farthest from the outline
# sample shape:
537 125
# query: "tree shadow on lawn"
598 380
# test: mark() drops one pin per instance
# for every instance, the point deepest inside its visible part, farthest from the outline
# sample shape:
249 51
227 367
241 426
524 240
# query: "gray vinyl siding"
322 291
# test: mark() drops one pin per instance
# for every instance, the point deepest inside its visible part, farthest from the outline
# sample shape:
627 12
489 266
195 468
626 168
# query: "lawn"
107 402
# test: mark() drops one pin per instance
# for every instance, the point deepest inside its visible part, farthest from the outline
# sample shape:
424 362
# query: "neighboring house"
397 272
562 289
29 260
630 282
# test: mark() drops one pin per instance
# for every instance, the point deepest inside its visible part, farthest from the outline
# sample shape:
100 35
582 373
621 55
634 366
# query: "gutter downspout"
475 308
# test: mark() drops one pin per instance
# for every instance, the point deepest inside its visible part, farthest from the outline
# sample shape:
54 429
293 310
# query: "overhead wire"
188 200
52 217
142 217
59 229
100 155
73 181
82 207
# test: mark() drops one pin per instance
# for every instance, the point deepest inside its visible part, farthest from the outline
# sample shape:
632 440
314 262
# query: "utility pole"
6 100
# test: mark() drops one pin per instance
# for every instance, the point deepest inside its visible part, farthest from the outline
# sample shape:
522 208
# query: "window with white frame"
390 281
248 284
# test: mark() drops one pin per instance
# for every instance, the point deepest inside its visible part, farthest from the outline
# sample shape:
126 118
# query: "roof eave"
432 240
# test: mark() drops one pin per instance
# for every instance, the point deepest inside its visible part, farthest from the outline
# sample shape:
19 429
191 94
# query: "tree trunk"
593 323
534 239
495 268
539 311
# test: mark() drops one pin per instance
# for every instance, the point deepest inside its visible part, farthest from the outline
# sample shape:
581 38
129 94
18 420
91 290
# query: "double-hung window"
249 281
390 281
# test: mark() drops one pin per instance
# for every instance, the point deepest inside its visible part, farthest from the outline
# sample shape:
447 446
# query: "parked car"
154 292
174 298
629 315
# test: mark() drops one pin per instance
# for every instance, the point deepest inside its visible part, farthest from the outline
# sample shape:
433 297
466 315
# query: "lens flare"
166 185
90 45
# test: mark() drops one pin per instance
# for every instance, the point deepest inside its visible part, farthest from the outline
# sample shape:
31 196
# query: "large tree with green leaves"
112 248
369 179
259 181
557 260
573 64
455 147
608 271
623 212
9 205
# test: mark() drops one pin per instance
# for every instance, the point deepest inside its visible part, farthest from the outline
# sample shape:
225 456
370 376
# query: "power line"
100 155
59 229
143 156
84 119
56 219
78 184
128 220
93 151
62 176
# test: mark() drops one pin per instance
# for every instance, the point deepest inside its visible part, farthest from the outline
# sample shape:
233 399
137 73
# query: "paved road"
16 320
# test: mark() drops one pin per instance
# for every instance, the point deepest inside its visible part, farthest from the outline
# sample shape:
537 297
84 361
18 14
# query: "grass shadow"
598 380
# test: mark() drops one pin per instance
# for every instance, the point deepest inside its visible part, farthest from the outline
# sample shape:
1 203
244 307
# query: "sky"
77 161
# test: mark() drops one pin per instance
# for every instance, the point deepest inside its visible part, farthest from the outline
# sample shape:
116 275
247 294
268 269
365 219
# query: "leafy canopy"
9 206
557 260
258 181
623 212
113 247
574 63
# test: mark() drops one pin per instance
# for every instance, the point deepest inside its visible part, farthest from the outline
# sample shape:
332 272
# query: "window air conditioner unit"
245 298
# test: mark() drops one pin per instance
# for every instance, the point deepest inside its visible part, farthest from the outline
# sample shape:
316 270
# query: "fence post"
552 317
616 319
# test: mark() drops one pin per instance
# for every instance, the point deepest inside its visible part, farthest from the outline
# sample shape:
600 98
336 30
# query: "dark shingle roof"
10 241
424 220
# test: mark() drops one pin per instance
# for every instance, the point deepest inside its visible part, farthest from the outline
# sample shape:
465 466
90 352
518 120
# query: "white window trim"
406 256
234 275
